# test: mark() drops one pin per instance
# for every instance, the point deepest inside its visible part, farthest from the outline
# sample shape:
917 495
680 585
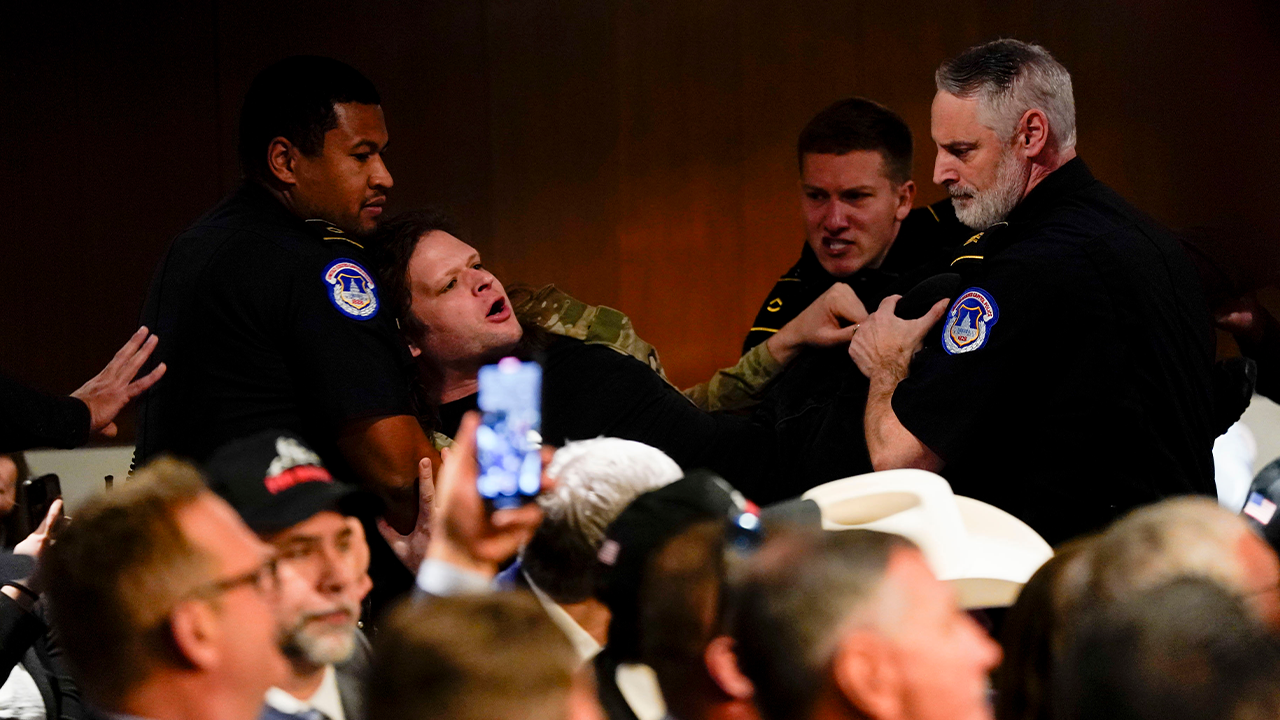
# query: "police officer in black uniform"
271 315
1070 379
855 166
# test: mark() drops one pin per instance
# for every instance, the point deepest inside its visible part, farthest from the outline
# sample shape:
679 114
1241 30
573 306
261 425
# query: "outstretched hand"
463 532
829 321
884 343
109 391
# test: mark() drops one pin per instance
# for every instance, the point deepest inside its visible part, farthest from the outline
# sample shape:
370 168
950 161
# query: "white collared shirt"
326 699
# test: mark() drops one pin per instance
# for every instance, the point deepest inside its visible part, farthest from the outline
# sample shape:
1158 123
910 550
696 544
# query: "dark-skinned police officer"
1070 379
271 316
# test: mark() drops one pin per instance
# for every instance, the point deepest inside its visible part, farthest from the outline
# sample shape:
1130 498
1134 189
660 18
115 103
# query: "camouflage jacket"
731 389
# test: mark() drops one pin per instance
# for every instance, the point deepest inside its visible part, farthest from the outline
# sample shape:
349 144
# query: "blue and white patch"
352 289
969 321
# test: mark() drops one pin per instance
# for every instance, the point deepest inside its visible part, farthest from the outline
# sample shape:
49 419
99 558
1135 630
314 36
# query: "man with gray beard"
1070 379
286 496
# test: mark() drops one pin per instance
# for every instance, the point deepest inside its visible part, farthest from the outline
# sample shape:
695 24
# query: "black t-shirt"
1071 380
267 321
926 239
590 391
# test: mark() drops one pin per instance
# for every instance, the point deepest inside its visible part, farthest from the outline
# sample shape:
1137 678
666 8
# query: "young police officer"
856 194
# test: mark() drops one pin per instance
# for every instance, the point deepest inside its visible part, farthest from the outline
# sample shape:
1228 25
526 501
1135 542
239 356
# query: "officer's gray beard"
304 642
985 208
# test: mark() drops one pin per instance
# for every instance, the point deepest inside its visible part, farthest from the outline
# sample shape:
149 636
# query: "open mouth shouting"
499 311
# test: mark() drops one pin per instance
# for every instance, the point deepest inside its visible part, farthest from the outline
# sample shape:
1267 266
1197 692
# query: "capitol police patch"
969 321
351 289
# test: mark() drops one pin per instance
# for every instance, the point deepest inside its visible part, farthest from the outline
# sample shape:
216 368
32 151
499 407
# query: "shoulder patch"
351 289
969 321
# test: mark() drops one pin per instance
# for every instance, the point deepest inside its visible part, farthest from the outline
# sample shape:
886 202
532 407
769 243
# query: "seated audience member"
1185 650
286 496
853 624
662 576
456 317
165 602
1188 536
1032 635
595 480
856 194
31 419
38 684
483 657
13 471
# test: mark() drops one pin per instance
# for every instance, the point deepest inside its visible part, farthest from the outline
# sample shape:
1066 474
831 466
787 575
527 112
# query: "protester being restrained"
456 317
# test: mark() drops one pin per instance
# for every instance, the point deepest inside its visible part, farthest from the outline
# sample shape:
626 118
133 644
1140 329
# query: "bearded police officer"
271 316
1070 379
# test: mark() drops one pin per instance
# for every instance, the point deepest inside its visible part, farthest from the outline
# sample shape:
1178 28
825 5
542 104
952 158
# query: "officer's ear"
281 156
906 198
1032 133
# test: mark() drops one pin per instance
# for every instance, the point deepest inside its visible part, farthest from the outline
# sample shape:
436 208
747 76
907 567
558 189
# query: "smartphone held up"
509 439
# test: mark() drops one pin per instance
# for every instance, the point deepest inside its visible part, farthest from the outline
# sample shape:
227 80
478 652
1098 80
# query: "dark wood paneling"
637 152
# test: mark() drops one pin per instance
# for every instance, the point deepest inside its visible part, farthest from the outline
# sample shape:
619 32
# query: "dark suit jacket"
351 676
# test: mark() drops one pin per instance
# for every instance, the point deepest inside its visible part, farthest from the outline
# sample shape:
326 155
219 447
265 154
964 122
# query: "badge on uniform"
351 289
969 321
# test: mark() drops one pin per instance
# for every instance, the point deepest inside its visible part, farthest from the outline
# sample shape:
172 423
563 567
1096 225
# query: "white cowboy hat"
984 552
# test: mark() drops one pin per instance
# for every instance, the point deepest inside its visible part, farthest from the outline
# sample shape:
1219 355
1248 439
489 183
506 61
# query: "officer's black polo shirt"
925 238
266 322
1071 381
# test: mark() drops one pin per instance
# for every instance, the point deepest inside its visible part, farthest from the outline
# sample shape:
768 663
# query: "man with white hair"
1071 379
1183 537
595 481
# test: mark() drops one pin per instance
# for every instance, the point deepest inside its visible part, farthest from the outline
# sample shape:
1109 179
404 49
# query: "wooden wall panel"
639 153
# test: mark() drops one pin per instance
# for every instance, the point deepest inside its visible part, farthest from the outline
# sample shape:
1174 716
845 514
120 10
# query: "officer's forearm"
385 452
890 444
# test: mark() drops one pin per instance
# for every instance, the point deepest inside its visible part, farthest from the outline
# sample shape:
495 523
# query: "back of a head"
860 124
481 657
798 593
681 602
1010 77
1186 649
117 571
294 99
1031 635
1183 536
595 480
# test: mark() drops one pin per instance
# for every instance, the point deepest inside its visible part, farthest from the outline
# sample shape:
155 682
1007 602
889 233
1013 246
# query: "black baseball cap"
275 481
654 518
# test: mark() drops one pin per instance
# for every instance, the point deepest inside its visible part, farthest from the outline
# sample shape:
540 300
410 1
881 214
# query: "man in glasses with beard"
286 496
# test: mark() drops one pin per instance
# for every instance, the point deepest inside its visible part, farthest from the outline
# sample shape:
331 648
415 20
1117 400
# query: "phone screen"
509 438
40 494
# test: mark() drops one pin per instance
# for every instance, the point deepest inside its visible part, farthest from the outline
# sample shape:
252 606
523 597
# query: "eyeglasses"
263 578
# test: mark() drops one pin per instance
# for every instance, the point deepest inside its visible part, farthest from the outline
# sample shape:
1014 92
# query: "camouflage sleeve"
558 312
738 387
735 388
441 441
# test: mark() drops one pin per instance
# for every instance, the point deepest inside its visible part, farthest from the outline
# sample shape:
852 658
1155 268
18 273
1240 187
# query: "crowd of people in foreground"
831 528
